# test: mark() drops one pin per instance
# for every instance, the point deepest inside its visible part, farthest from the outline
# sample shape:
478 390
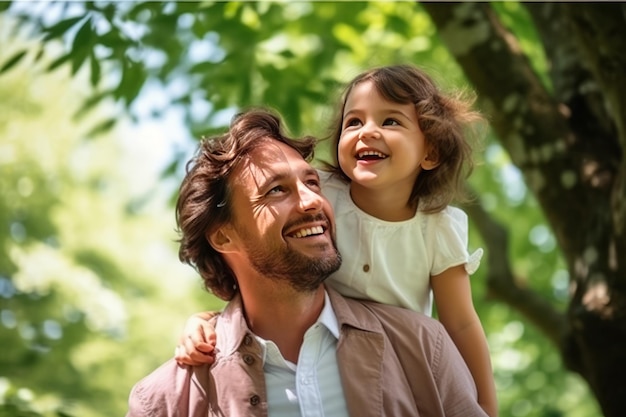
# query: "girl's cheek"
342 149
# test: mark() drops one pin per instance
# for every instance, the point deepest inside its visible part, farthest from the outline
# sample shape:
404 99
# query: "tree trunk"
568 140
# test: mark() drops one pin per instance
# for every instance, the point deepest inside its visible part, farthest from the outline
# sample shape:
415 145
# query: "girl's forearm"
472 345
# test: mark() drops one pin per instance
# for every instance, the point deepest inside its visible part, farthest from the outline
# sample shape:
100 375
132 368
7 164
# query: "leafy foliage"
87 284
209 59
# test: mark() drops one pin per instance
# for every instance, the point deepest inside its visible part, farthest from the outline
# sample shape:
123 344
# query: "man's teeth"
377 154
317 230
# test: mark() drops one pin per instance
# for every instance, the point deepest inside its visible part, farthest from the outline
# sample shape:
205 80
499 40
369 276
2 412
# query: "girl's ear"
222 239
431 161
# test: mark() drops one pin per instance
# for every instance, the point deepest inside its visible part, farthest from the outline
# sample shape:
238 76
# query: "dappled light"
102 106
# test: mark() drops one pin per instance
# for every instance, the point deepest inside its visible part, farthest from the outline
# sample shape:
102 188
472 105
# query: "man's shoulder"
162 380
167 388
370 315
399 316
413 337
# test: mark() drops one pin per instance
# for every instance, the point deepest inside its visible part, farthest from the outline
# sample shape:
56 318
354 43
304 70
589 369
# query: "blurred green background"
92 295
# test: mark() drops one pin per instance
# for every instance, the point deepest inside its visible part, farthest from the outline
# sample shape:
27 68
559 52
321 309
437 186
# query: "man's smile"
308 231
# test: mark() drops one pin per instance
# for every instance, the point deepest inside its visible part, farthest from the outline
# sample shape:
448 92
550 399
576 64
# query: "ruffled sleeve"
474 261
447 238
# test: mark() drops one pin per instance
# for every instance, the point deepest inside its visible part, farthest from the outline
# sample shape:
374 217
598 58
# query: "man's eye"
313 184
275 190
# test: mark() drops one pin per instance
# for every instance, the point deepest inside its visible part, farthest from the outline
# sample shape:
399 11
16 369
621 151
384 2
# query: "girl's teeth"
371 153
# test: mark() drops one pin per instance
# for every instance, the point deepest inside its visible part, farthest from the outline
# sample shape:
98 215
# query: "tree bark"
568 140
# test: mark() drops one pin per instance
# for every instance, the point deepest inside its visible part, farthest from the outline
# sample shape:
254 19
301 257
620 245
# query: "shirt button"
366 268
248 359
255 400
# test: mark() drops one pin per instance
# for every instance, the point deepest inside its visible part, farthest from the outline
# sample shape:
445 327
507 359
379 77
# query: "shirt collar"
327 318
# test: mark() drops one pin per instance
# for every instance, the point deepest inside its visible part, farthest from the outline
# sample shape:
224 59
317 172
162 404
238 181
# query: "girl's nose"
369 131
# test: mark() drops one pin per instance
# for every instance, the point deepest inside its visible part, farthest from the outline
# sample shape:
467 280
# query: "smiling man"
255 224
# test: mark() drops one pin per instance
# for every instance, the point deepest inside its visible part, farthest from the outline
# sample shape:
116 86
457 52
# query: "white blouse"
392 262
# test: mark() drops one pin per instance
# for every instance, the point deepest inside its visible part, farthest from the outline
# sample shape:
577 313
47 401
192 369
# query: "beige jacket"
393 362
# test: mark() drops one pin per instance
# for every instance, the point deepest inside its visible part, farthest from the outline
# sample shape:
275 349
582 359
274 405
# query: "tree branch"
604 25
503 285
559 164
600 30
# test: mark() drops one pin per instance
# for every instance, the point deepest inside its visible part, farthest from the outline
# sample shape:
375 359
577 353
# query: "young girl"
400 159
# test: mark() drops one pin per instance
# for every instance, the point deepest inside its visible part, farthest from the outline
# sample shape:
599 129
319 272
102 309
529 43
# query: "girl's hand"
196 345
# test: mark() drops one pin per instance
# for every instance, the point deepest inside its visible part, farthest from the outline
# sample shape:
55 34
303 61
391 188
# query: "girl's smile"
381 147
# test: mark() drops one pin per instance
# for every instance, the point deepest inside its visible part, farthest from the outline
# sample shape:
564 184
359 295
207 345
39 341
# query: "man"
255 224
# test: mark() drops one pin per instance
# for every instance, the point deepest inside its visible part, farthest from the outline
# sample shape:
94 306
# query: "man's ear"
222 239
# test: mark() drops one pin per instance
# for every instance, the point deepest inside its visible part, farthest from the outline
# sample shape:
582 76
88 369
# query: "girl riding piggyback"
401 157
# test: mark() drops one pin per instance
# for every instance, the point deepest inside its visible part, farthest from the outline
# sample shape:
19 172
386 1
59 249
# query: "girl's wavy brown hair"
446 121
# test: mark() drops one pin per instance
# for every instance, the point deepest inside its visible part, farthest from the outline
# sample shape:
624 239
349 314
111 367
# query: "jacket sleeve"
454 382
169 391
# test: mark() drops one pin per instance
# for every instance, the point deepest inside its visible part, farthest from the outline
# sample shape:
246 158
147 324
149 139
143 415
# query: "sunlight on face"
256 177
276 195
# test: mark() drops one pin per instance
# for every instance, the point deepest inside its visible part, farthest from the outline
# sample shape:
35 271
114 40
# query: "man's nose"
309 199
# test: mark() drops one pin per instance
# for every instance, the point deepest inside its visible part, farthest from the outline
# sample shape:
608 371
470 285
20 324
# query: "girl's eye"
391 122
352 122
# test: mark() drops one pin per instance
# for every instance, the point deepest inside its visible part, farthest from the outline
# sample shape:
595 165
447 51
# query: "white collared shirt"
312 387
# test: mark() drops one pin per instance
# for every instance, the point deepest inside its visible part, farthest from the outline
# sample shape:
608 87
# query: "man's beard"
283 263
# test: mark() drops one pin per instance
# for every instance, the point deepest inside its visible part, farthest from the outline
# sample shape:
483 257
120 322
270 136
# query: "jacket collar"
232 327
353 313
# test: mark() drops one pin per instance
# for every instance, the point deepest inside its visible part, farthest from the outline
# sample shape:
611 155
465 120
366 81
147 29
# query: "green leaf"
4 5
198 28
83 36
397 24
133 78
81 45
60 28
153 7
109 11
287 54
89 104
40 53
113 39
202 68
11 62
58 62
78 59
101 128
95 69
188 7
